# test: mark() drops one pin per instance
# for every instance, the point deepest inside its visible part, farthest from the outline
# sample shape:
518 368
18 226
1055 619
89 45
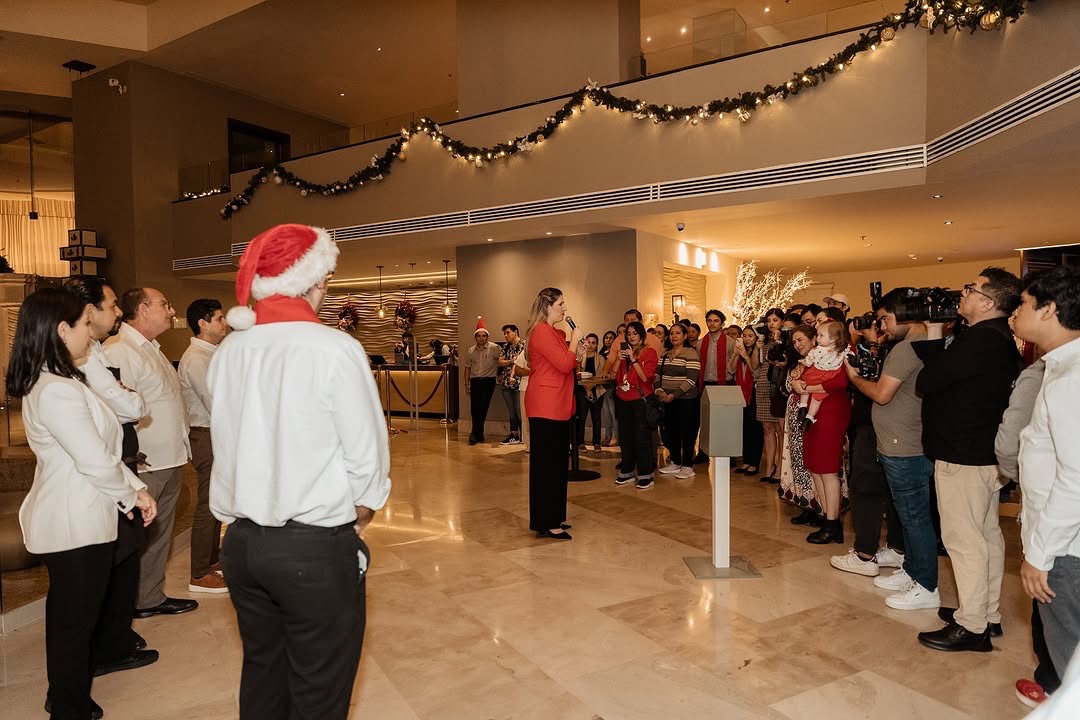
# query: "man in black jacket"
965 391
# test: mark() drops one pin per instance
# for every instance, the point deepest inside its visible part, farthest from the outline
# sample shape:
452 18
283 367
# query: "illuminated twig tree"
754 295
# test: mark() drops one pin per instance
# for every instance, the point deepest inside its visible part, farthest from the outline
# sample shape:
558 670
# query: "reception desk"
437 393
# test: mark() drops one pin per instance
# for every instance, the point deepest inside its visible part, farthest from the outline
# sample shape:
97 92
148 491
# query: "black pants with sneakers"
78 583
480 391
870 496
635 439
299 595
680 429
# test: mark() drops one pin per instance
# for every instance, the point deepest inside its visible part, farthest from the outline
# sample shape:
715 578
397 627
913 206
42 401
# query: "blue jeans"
909 482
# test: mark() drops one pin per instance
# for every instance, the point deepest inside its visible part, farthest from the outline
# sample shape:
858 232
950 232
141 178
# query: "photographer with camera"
965 389
897 419
870 498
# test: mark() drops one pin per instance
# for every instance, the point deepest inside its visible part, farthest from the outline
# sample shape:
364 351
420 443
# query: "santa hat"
480 325
285 260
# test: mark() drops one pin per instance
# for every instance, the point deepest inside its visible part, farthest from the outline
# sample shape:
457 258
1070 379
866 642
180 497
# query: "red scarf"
721 358
744 378
278 308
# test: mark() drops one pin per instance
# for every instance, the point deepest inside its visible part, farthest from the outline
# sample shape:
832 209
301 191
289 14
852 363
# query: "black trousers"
549 458
1045 674
870 496
299 596
586 408
113 639
635 439
481 390
78 582
680 429
753 435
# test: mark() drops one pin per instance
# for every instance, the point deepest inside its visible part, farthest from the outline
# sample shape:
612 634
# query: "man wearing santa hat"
301 465
481 367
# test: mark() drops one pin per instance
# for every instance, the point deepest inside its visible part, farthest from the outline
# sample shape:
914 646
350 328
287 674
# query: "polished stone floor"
472 617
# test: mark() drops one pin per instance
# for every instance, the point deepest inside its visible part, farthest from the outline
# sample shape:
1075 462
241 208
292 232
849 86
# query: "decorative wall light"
382 310
447 310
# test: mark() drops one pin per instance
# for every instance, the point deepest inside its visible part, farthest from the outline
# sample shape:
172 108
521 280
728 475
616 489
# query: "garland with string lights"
929 14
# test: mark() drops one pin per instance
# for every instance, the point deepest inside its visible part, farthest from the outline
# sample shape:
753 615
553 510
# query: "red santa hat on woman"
287 261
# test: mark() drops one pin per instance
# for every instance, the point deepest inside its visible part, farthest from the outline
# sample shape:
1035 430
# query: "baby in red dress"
822 363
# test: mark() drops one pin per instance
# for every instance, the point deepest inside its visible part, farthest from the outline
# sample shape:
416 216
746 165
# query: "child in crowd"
822 363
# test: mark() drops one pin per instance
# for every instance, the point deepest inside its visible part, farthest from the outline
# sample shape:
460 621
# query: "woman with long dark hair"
549 402
608 423
747 360
70 515
770 424
634 378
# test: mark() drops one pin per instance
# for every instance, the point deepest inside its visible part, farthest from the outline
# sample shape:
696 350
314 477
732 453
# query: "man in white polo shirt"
301 465
163 435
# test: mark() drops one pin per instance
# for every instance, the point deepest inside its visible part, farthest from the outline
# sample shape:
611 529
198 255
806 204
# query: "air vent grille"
206 261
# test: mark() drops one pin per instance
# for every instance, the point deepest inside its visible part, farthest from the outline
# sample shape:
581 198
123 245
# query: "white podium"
721 439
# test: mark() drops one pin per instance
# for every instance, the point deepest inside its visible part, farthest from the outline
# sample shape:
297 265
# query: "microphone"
571 323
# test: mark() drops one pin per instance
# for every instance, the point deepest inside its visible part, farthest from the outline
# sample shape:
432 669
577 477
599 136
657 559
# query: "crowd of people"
913 424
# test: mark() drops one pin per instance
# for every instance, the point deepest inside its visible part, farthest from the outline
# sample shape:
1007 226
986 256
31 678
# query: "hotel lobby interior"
464 155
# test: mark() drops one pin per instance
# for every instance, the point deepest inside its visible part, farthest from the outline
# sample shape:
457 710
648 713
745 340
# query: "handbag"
778 394
654 407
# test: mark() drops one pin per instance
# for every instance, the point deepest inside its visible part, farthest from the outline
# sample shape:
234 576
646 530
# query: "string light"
932 14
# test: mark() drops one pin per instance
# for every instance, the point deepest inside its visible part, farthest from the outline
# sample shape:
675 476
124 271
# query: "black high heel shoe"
769 478
554 536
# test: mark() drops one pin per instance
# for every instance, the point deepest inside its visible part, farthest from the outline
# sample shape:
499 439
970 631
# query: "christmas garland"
929 14
348 316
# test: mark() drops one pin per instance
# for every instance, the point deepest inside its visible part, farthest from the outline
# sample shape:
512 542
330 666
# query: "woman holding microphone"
70 516
549 402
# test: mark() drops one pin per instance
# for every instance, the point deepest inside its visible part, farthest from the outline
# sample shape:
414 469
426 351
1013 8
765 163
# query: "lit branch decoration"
754 296
929 14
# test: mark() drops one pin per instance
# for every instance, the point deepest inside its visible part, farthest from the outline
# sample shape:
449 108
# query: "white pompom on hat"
285 260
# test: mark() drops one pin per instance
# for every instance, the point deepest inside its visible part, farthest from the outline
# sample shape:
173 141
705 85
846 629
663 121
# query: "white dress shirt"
125 402
80 482
163 432
1050 463
297 427
193 366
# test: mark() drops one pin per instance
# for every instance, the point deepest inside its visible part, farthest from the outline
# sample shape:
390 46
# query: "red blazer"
550 393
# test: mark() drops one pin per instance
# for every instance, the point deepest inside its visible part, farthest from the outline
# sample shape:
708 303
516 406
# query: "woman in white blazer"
80 484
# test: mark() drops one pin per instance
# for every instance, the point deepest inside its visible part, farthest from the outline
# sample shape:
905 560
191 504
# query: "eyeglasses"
970 288
163 303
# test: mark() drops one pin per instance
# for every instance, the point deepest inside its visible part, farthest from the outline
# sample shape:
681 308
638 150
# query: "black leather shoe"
832 531
96 713
171 606
565 526
807 517
946 614
137 659
956 638
137 640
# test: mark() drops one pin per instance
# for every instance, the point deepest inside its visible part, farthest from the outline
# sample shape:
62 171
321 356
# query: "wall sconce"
678 302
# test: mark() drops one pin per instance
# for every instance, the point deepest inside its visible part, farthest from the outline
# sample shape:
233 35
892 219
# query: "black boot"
807 517
832 531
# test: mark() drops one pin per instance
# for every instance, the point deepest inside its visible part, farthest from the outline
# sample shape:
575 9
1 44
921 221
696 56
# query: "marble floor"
471 616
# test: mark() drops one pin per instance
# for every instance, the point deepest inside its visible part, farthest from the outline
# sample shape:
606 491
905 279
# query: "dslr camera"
867 362
864 321
933 304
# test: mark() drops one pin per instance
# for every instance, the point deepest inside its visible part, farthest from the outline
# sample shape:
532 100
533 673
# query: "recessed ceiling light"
766 9
490 239
948 222
936 197
683 30
548 232
341 94
428 262
648 38
378 49
867 244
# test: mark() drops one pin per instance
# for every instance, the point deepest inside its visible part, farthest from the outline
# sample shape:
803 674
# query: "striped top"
680 373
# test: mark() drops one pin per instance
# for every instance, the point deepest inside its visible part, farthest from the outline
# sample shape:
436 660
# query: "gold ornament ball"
403 156
927 19
539 138
888 34
990 20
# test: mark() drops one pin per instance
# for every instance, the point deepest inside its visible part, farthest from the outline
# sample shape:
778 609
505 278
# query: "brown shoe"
212 583
216 567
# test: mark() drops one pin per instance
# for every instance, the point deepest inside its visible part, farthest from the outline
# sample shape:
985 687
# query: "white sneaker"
887 557
897 581
916 597
685 473
852 563
670 469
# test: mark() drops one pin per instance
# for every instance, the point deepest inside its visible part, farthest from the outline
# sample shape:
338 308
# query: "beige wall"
595 272
856 285
654 252
512 51
129 149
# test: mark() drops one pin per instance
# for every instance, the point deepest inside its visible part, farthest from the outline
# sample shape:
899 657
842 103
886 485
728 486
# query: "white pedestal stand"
721 566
